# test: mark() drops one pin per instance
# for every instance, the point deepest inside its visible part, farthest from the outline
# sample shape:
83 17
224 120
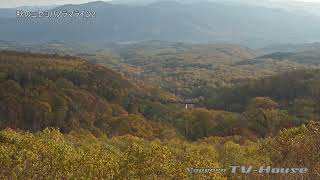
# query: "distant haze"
236 21
17 3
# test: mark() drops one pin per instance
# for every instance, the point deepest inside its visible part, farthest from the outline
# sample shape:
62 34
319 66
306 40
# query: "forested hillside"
184 69
310 57
111 127
160 89
39 91
296 90
83 156
190 70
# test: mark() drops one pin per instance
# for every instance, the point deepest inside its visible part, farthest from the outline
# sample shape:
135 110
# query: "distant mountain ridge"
170 21
289 48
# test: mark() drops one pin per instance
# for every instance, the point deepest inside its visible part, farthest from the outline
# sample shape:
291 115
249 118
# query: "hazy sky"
15 3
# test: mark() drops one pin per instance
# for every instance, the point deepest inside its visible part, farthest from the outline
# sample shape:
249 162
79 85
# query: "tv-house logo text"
251 169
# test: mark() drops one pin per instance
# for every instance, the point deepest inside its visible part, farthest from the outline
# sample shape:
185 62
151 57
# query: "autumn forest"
153 109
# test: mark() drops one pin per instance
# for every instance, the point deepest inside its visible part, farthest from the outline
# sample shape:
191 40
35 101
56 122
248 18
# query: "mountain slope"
297 91
188 70
288 48
309 57
39 91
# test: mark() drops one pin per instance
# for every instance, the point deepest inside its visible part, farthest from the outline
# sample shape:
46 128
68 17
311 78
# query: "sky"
17 3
